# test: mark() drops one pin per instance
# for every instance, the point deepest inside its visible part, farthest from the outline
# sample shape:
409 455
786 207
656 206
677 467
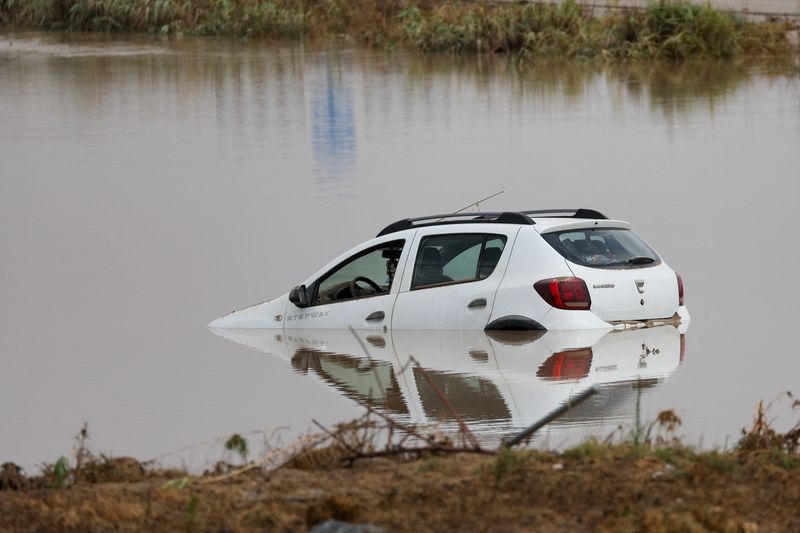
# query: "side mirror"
299 296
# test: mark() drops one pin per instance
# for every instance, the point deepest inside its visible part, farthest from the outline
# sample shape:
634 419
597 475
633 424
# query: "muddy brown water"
148 186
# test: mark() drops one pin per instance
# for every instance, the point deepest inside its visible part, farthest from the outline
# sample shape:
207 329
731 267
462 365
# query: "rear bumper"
562 320
686 318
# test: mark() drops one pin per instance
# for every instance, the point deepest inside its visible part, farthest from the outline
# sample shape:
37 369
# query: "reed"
665 30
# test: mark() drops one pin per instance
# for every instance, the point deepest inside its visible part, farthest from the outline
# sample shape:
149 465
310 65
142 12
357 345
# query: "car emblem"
640 286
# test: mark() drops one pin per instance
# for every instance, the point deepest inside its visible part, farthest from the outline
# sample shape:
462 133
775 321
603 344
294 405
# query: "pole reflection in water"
333 131
497 382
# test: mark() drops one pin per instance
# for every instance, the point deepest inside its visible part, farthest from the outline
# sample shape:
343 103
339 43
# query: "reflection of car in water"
529 270
496 381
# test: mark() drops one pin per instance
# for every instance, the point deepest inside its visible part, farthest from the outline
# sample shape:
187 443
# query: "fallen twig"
530 430
419 450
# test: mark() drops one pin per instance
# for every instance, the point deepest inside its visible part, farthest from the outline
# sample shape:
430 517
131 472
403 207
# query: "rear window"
603 248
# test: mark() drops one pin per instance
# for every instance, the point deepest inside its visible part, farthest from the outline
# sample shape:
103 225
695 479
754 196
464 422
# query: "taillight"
564 293
570 364
680 289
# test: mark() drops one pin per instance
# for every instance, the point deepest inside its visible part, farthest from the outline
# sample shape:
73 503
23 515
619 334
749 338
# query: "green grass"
787 461
722 463
429 464
61 471
238 445
666 454
588 451
665 30
506 462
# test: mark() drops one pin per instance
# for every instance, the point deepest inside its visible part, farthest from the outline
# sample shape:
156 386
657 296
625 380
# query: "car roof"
528 218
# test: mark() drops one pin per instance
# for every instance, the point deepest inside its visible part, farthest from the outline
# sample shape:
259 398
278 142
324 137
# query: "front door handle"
478 302
376 316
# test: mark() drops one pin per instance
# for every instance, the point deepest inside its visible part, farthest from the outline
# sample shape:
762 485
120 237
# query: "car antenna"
476 204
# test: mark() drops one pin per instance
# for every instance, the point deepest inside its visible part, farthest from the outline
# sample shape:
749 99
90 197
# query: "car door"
452 275
357 292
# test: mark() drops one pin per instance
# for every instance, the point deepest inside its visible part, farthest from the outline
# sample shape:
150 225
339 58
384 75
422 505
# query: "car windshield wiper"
640 260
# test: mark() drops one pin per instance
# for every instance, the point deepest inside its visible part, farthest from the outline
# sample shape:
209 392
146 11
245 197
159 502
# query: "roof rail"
504 217
562 213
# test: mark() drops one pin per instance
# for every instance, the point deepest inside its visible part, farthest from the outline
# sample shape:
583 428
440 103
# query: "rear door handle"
478 302
376 316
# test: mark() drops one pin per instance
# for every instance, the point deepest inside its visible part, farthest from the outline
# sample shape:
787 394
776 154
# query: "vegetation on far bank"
395 477
665 30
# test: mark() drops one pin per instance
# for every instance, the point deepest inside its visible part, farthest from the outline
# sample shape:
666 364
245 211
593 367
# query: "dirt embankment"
592 487
394 477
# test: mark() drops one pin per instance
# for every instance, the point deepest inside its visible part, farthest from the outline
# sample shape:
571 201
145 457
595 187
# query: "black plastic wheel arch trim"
514 323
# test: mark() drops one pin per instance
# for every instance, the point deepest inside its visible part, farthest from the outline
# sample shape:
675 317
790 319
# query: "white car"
532 270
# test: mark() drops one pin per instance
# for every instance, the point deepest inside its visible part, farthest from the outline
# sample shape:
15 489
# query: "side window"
456 258
368 273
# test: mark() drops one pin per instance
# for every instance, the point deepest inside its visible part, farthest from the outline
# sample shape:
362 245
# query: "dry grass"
374 471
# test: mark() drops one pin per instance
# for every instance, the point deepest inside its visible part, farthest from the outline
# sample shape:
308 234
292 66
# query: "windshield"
603 248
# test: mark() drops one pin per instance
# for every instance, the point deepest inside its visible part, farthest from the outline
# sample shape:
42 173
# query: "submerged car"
555 269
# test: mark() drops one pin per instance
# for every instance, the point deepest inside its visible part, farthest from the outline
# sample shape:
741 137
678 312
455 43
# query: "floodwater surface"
149 186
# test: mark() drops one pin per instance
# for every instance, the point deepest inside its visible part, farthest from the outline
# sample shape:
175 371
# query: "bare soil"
591 488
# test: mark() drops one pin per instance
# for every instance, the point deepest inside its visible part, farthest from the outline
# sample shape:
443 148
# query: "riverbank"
417 481
593 487
672 31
